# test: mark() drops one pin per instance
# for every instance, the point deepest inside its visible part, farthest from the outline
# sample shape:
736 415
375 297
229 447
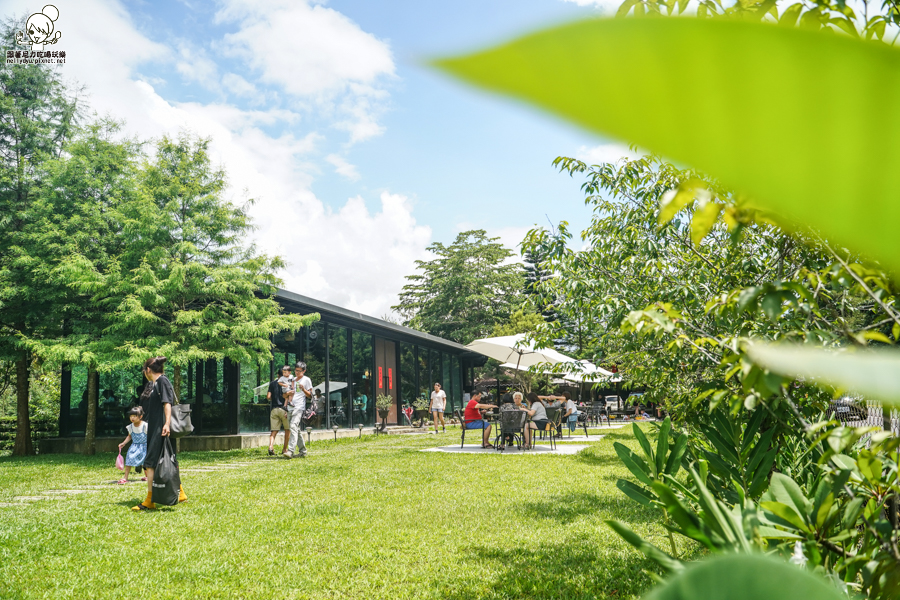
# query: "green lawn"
357 519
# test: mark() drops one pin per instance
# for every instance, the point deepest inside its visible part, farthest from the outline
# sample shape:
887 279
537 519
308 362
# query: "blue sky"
358 154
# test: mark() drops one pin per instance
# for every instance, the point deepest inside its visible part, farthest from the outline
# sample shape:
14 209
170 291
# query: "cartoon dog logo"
39 28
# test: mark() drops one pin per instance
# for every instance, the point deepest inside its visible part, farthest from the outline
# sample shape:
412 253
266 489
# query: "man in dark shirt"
278 416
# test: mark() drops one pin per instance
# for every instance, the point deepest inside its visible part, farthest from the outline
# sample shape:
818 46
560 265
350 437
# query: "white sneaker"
287 455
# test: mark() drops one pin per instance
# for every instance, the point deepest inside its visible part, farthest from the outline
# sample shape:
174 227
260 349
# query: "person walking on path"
137 435
302 391
156 401
438 404
278 416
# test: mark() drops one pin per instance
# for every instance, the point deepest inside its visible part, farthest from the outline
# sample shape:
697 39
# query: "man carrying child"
301 391
279 393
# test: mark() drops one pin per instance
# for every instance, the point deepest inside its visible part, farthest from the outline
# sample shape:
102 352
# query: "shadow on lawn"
591 457
565 508
575 569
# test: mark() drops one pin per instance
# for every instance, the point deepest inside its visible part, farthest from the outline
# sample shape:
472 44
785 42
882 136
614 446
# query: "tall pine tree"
37 117
465 291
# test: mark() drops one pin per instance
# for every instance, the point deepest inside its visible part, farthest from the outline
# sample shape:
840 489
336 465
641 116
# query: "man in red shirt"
474 420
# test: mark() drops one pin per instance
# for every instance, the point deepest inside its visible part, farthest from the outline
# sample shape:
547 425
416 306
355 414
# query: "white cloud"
605 6
349 256
342 167
239 86
306 49
352 257
313 52
196 66
605 153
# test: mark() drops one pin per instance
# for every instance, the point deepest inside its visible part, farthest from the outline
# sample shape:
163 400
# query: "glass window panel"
116 391
190 390
455 384
338 391
214 407
363 377
435 360
253 415
425 382
78 401
407 379
423 391
446 382
313 353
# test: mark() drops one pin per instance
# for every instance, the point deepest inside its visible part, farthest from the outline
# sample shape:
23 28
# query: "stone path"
63 494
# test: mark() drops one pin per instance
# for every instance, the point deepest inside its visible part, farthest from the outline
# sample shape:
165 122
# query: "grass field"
356 519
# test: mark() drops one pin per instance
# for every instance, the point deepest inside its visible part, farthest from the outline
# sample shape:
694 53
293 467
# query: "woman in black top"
157 400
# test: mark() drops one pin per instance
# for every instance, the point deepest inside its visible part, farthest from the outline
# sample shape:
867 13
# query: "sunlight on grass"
371 518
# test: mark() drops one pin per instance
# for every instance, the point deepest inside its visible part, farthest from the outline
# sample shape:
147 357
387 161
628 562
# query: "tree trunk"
90 429
176 381
23 445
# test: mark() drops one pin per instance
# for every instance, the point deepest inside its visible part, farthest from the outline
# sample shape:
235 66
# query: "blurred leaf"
765 531
786 513
673 201
634 463
645 445
678 450
662 445
703 221
636 492
647 74
744 577
785 490
872 373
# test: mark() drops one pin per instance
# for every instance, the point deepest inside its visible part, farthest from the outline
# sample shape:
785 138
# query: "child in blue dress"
137 435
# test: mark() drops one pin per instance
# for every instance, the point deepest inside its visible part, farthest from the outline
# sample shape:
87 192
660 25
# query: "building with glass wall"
351 358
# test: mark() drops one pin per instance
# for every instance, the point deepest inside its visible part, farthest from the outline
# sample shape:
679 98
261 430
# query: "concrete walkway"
539 450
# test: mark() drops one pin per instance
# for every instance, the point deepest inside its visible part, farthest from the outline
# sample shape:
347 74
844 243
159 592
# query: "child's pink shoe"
122 481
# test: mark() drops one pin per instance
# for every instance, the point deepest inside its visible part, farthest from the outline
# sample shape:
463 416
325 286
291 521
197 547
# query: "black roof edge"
286 298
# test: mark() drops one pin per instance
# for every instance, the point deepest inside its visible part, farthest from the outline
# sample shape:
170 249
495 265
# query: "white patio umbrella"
509 348
589 373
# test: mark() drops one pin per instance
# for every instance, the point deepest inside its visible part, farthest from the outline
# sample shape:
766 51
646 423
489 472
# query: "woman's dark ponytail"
155 364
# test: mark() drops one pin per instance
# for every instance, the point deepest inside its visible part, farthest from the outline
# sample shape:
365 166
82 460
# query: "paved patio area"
539 450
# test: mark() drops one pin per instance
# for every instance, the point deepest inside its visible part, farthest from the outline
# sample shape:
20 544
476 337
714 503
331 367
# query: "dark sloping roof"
332 313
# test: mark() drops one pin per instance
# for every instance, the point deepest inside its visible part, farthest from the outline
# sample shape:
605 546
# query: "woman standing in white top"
438 403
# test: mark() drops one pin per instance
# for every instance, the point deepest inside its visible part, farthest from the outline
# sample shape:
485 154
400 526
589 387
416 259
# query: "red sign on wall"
380 379
390 378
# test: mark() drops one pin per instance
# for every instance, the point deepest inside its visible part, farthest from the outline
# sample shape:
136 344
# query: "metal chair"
553 420
598 411
462 424
512 424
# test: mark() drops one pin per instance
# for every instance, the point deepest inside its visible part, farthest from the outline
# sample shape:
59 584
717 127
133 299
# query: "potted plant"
421 405
383 403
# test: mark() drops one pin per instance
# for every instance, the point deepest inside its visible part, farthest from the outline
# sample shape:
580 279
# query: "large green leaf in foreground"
744 577
875 374
805 122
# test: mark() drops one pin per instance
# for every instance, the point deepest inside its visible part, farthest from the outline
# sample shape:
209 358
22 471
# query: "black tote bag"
166 478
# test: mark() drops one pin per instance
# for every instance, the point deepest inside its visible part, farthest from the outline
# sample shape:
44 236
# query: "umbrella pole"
518 361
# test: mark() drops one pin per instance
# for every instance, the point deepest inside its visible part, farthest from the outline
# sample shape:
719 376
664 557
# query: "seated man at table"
474 419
